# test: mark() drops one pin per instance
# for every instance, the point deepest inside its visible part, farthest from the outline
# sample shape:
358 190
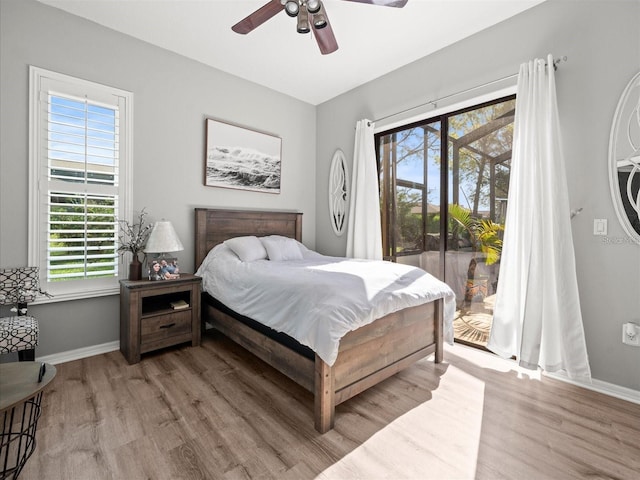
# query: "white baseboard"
80 353
617 391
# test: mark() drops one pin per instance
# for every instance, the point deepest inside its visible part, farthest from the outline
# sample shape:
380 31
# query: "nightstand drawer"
159 327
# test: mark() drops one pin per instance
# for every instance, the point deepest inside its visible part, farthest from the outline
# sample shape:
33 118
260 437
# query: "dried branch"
133 236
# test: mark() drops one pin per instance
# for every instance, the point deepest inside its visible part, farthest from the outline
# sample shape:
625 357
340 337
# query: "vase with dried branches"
132 238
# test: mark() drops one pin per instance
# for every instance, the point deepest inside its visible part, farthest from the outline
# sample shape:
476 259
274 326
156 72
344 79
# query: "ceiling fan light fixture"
292 8
319 20
314 6
303 20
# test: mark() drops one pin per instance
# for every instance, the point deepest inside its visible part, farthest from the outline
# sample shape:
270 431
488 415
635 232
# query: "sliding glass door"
450 220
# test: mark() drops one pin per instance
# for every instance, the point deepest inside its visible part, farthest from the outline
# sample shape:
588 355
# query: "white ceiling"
373 40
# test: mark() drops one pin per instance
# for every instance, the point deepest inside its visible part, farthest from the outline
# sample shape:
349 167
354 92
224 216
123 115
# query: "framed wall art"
238 157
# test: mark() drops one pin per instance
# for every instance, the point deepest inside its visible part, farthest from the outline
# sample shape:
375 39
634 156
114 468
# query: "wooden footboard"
366 356
373 353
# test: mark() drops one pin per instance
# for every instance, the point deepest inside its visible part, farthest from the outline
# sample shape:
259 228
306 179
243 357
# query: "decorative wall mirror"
624 159
338 198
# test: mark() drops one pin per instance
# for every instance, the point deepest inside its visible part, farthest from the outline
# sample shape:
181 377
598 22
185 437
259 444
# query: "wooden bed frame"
366 356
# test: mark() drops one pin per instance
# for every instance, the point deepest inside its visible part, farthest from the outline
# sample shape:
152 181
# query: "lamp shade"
163 239
313 6
319 20
303 20
292 7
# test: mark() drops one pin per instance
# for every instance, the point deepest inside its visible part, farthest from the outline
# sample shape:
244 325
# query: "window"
79 182
417 194
443 194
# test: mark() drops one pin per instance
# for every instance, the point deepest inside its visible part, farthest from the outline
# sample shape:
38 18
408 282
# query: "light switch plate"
599 226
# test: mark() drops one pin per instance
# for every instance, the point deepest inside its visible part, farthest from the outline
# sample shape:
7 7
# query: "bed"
365 357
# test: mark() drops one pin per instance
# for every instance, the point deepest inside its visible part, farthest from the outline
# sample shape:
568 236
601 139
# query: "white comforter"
319 299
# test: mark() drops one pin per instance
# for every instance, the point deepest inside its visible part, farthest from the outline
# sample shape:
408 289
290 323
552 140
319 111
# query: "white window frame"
41 82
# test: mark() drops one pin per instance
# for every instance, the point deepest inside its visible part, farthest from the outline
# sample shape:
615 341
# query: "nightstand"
149 322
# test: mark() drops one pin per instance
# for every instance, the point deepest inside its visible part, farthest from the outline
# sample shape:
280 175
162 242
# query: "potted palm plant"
484 235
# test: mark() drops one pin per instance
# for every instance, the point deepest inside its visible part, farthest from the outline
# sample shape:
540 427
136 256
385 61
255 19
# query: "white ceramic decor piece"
338 198
624 159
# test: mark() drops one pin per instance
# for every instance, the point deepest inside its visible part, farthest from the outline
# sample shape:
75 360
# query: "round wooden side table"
21 388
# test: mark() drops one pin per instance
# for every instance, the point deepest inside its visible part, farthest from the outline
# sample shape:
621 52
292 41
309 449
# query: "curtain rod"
556 61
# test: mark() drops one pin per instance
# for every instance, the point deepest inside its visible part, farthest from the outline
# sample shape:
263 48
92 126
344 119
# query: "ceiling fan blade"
258 17
384 3
325 38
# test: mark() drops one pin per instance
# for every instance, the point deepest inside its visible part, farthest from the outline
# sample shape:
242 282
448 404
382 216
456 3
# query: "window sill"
66 297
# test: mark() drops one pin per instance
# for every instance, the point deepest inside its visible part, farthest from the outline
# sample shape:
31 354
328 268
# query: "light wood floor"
217 412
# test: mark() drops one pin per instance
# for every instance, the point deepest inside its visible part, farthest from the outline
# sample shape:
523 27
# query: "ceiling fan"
311 16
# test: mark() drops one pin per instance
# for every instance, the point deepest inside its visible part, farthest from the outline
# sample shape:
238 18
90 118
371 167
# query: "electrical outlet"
631 334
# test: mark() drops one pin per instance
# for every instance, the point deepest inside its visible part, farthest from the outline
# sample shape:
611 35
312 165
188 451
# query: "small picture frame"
163 268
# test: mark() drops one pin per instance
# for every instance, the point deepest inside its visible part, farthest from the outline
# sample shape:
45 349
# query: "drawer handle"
169 325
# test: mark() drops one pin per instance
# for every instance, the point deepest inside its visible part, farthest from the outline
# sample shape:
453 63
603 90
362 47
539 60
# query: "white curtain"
364 234
537 315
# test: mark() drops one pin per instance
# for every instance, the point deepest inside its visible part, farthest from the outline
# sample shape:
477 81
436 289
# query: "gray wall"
602 42
172 98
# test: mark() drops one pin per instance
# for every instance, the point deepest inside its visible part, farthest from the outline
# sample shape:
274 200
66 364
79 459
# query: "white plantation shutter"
79 162
81 236
82 157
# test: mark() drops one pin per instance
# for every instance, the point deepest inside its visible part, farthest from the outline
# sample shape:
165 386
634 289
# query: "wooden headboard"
214 226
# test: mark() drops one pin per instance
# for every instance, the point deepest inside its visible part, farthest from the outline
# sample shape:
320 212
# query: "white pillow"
281 248
248 249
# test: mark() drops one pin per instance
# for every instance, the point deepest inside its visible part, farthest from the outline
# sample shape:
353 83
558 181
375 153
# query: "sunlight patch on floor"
439 438
427 442
489 360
